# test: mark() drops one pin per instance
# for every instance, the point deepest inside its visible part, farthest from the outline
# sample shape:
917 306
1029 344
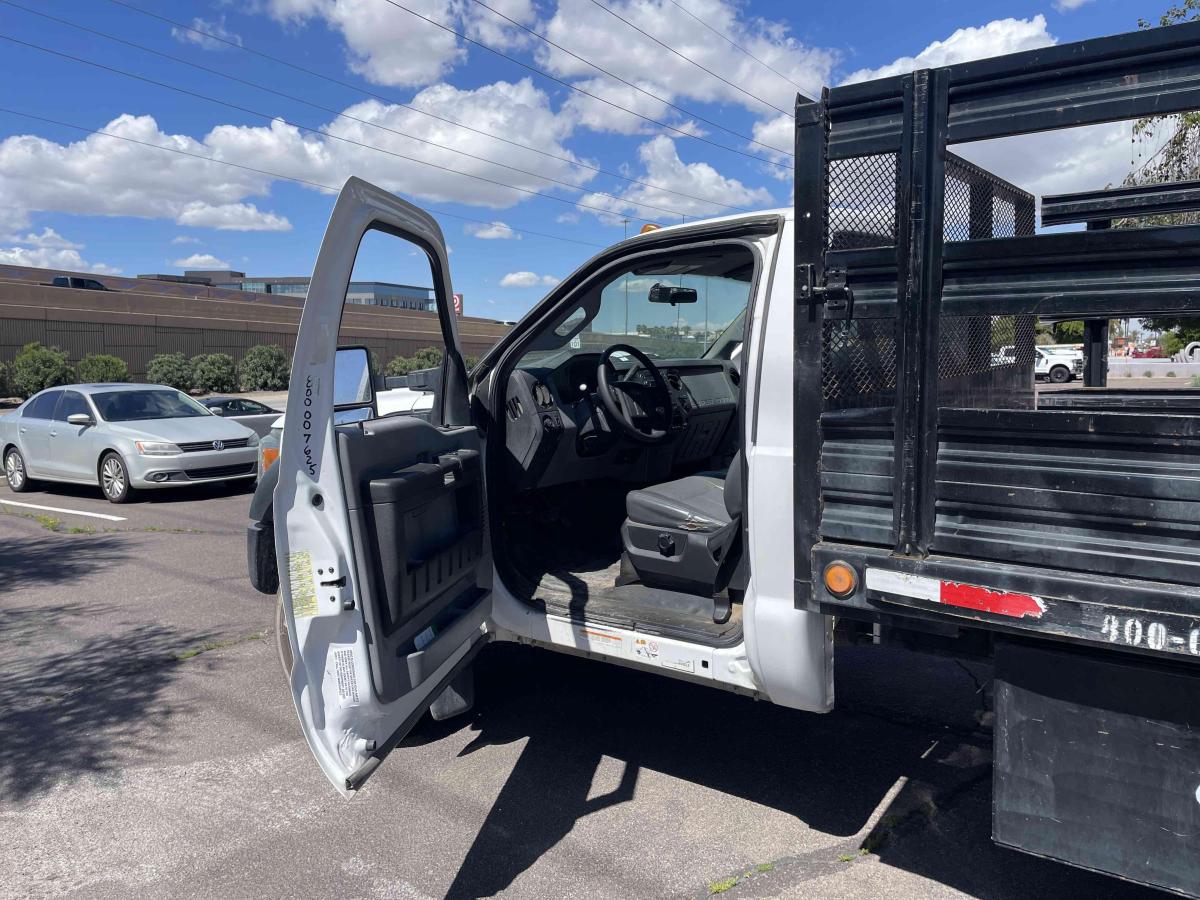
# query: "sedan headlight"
253 441
157 448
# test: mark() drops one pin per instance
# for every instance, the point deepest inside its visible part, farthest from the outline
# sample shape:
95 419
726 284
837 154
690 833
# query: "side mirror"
80 419
666 293
216 410
353 385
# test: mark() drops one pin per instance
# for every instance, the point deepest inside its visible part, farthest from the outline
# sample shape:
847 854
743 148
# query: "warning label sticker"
589 637
303 587
645 648
347 681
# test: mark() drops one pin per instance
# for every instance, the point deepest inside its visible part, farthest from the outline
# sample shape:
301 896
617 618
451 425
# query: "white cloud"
1064 6
996 38
527 280
777 132
231 217
593 34
102 176
184 239
53 258
496 231
591 113
488 28
99 175
385 45
207 40
49 239
665 169
201 261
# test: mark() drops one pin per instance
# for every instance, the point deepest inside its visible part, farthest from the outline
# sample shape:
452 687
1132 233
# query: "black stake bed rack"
939 479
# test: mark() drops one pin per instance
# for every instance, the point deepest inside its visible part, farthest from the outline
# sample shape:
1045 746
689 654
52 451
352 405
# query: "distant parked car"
122 437
81 284
254 415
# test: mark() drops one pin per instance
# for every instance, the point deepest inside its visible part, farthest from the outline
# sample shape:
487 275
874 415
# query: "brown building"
137 318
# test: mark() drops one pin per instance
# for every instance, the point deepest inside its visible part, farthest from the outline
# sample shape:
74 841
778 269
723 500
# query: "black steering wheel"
642 411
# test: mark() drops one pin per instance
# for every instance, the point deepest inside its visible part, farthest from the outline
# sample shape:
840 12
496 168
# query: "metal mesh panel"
862 202
957 219
1004 218
977 345
858 363
980 205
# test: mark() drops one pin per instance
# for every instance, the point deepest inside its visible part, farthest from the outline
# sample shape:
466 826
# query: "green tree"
214 373
5 380
37 367
171 369
102 368
1177 159
265 367
425 358
1068 332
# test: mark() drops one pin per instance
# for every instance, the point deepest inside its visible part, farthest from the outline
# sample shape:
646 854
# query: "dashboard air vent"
514 408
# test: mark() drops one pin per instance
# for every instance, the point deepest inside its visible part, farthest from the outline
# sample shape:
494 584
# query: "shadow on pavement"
73 711
43 561
831 772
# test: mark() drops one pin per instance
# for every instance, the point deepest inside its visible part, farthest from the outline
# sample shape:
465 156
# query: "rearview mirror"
216 410
80 419
352 382
666 293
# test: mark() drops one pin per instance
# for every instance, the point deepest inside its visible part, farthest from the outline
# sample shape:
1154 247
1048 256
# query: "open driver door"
385 573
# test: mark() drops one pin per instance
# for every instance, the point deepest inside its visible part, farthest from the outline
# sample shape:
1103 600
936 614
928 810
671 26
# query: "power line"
269 174
394 102
587 93
734 43
668 47
324 134
617 77
330 110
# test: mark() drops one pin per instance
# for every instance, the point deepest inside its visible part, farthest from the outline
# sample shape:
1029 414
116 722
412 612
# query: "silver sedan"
122 437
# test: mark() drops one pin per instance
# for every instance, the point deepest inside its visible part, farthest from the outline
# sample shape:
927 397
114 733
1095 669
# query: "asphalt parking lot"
149 748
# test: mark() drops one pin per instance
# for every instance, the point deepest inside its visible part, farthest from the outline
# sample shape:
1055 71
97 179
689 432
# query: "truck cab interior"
621 496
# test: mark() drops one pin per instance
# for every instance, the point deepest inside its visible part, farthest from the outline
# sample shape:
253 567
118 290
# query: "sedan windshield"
138 405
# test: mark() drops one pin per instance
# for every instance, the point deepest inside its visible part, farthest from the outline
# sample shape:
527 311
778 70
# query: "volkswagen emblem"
218 445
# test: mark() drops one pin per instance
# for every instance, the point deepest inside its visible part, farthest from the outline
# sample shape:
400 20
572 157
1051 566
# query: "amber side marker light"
270 455
840 579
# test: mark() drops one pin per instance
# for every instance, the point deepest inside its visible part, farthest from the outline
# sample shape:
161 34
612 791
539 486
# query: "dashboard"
556 429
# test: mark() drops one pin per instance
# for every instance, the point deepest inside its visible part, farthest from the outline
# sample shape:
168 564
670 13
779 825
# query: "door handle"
54 434
23 430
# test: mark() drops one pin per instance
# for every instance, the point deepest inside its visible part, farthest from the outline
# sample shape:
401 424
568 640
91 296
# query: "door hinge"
833 291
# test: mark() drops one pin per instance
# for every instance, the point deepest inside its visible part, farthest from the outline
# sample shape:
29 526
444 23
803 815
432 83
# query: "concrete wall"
136 324
1121 367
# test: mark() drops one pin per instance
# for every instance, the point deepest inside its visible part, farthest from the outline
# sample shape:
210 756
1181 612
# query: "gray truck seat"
676 534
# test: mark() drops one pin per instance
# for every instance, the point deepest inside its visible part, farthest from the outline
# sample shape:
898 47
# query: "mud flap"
1097 763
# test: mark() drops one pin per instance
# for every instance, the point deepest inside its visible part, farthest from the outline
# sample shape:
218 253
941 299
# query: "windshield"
152 403
621 309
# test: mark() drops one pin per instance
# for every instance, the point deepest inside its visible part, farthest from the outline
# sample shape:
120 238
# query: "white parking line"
70 512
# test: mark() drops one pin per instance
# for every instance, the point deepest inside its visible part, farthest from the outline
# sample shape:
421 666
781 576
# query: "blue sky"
72 201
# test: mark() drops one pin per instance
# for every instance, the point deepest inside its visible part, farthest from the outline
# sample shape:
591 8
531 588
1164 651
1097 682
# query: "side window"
252 407
42 406
72 402
393 273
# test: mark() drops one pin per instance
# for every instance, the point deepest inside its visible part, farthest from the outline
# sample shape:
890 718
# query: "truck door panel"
414 495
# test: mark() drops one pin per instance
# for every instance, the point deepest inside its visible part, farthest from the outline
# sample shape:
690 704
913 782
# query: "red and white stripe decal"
953 593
